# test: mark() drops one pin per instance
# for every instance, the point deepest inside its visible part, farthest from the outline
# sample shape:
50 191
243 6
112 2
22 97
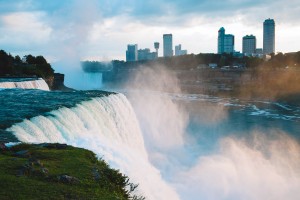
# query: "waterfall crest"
32 84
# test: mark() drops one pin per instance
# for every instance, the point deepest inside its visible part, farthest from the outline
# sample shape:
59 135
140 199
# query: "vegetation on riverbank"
57 171
191 61
275 78
28 66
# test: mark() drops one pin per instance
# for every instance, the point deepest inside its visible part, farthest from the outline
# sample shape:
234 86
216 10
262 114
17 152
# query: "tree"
30 59
40 60
6 63
18 60
37 66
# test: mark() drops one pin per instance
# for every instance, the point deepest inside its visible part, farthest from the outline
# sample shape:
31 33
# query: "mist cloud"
265 167
247 165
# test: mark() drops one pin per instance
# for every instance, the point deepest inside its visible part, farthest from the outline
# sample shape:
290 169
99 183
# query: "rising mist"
256 164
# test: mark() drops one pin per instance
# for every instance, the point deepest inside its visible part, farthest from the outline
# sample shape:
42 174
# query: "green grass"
75 162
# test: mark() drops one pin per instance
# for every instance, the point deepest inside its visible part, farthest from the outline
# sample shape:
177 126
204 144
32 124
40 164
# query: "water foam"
107 126
32 84
260 168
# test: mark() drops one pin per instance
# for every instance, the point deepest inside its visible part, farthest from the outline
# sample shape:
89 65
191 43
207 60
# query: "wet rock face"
58 81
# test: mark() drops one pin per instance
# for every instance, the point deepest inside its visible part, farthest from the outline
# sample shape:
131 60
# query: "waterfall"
109 127
32 84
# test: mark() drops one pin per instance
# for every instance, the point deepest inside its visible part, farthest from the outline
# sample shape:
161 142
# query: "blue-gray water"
240 117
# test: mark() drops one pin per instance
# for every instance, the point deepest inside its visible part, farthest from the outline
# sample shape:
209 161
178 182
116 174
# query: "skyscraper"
168 45
225 42
221 35
269 36
132 52
249 44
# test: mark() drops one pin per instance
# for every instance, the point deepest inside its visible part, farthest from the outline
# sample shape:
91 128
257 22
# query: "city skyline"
101 30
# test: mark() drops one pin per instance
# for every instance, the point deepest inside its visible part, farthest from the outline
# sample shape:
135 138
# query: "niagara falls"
162 100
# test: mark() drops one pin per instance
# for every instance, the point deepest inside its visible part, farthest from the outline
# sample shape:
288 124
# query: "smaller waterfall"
32 84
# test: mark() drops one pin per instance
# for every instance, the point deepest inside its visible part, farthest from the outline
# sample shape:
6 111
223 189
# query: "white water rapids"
32 84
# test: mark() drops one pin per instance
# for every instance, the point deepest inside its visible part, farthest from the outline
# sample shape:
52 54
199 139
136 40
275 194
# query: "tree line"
278 60
189 61
28 66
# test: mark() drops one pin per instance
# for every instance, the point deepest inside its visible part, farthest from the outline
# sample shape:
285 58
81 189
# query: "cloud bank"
100 30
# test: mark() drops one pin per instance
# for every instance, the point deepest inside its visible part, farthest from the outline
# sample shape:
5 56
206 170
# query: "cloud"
158 10
24 30
102 28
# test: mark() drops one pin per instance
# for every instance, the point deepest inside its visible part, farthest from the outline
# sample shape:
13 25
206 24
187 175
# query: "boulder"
25 170
68 179
35 162
54 146
44 171
61 146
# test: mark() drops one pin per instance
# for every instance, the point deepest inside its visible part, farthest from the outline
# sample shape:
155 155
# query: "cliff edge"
59 171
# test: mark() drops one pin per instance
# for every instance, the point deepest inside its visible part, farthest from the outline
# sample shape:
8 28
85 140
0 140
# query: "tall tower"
168 45
269 36
221 36
156 46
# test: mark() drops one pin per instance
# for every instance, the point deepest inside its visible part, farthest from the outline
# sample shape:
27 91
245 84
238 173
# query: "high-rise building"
269 36
221 35
132 52
259 51
179 51
168 45
225 42
145 54
249 45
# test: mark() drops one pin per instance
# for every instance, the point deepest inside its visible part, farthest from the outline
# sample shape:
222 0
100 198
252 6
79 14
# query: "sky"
101 29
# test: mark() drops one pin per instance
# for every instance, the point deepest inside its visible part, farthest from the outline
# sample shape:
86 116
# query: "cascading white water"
107 126
32 84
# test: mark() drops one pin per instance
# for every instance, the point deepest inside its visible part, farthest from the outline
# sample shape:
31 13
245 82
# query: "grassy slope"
75 162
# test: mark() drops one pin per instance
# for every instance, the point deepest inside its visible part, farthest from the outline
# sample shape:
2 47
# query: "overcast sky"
101 29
